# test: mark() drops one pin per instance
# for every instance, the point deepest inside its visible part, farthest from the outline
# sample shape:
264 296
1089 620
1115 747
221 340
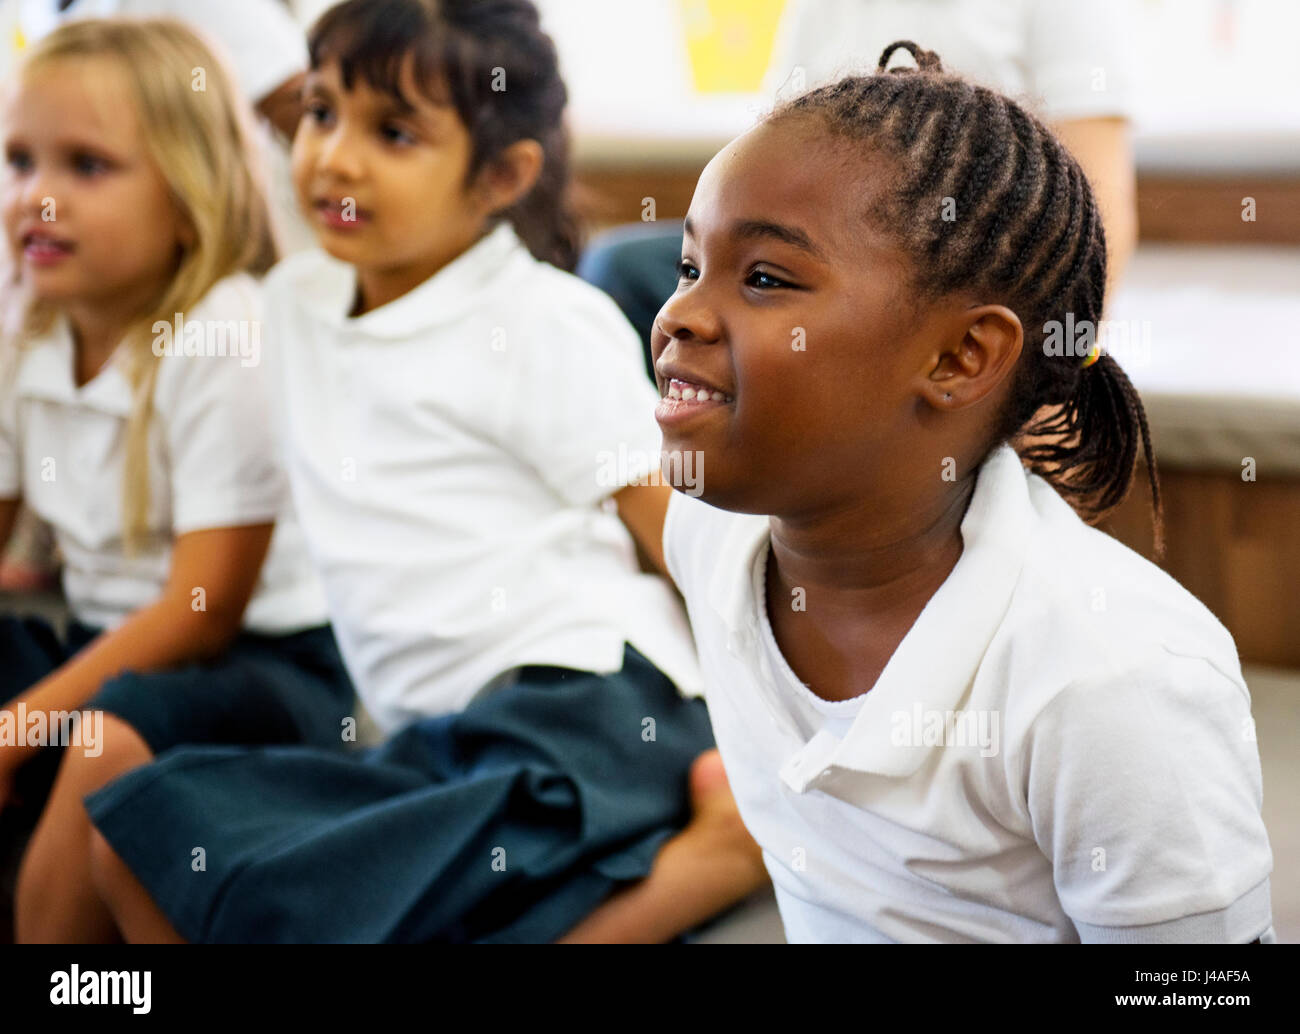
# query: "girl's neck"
97 329
93 346
377 287
863 561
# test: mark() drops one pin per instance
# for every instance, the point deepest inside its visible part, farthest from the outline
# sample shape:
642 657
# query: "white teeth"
693 393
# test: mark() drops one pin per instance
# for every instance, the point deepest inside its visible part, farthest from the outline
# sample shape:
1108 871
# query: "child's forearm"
162 635
643 508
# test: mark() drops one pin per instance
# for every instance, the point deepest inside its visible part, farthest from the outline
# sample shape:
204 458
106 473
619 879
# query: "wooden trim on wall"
607 196
1171 207
1233 545
1195 209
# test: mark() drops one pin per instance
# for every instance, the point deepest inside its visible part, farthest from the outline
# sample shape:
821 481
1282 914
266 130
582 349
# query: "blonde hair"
196 132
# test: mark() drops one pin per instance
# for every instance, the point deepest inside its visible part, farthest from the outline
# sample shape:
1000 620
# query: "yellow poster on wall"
729 42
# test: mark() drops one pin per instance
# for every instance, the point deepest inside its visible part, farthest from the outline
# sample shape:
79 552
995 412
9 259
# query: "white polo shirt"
213 463
450 454
1060 749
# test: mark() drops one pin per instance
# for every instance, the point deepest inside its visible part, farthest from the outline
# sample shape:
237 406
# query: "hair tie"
1093 356
926 60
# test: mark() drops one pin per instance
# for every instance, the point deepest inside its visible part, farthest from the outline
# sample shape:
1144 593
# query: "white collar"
938 658
328 292
46 372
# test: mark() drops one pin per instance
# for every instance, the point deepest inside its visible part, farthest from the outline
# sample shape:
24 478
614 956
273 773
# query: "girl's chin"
45 287
712 476
734 498
343 249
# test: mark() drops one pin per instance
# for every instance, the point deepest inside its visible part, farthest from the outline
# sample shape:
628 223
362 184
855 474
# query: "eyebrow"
385 107
764 229
68 144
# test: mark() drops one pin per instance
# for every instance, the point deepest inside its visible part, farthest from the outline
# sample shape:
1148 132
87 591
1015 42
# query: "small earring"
947 397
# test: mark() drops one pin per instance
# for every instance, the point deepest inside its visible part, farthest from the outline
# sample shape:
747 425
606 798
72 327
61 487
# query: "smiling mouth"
685 391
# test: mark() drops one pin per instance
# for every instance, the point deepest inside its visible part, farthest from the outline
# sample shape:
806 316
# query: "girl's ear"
985 346
511 175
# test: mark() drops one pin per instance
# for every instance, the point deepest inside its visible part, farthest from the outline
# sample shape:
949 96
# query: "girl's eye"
88 164
315 111
397 135
19 161
769 281
685 269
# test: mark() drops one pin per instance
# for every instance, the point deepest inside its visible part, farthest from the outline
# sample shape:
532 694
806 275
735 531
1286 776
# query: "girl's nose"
688 314
39 193
339 155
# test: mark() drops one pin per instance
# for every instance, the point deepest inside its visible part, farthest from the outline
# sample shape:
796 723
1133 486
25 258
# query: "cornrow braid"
987 199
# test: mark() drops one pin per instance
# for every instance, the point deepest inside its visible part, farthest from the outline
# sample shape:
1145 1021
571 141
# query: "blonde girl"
134 419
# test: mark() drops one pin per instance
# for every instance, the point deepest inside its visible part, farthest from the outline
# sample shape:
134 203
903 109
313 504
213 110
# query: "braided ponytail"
1088 447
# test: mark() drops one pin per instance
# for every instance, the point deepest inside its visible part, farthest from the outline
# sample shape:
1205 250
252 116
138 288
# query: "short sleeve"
223 452
10 450
1079 60
1144 792
260 38
580 408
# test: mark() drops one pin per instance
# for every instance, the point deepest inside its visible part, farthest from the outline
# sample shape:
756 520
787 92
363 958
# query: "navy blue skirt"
261 690
509 821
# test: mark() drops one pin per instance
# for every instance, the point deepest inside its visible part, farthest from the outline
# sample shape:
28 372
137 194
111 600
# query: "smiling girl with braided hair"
949 709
